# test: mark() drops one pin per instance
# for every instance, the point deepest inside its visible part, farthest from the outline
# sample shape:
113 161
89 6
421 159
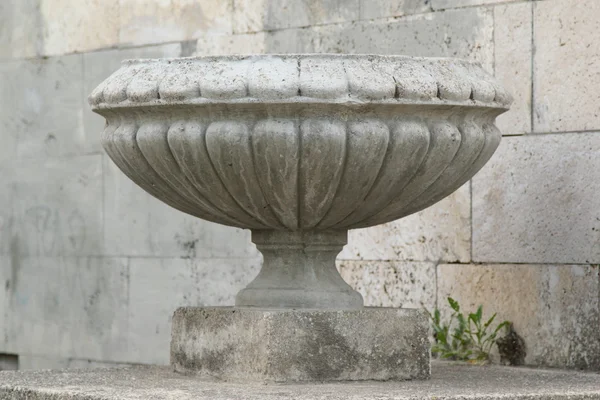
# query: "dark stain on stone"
188 246
212 362
326 353
188 48
512 348
15 263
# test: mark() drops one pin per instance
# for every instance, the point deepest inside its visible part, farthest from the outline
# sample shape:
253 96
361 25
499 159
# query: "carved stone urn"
299 149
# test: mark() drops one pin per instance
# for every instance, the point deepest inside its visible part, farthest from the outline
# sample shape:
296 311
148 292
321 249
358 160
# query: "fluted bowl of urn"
299 149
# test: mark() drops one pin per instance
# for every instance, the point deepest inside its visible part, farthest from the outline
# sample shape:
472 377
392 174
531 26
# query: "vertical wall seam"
532 72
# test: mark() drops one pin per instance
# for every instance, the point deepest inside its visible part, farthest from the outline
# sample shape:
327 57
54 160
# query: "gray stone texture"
397 284
157 287
32 363
522 216
152 22
54 206
449 381
65 307
441 232
570 57
554 308
266 15
106 309
30 28
449 4
20 33
249 344
372 9
161 231
513 51
465 33
42 106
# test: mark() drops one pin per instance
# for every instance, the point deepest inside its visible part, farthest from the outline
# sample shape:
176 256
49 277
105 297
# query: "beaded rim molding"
322 78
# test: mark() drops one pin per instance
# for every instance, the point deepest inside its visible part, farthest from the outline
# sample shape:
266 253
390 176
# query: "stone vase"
299 149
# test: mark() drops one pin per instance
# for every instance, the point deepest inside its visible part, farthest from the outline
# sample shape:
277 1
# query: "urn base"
299 272
286 345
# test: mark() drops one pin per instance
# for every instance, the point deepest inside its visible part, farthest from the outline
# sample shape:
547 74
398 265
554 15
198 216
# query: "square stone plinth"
246 344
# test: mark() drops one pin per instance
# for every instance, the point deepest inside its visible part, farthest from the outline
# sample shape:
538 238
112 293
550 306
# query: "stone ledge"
448 382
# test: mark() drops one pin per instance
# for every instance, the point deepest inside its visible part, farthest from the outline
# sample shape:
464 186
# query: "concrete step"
448 381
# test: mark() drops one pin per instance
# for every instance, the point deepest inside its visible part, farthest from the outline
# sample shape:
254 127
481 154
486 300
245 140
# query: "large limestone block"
56 206
465 33
67 307
42 107
159 286
266 15
566 70
250 344
398 284
70 27
20 31
537 201
513 32
160 21
554 308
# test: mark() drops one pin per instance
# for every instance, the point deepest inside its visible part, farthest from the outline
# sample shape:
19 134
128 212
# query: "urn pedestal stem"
299 272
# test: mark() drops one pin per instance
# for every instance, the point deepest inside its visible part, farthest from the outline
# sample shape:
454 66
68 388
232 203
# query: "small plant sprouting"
464 338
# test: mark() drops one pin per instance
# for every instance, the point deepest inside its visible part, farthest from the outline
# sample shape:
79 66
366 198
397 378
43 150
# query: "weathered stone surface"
554 308
299 272
568 58
67 307
69 28
159 286
56 206
42 107
249 344
157 21
372 9
224 45
159 230
414 161
6 212
260 15
513 54
465 33
6 272
440 232
448 381
98 65
392 283
537 201
31 362
20 31
447 4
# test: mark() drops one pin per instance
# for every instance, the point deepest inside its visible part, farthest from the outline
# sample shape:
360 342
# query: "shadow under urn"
299 149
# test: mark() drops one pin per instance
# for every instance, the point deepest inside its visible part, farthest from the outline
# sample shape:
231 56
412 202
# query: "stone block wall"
91 267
